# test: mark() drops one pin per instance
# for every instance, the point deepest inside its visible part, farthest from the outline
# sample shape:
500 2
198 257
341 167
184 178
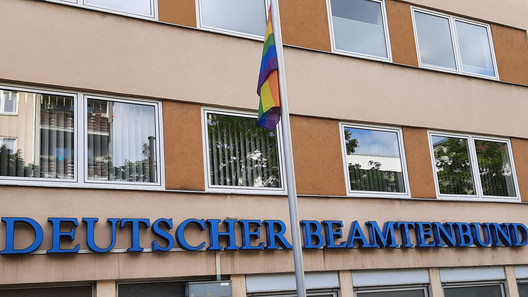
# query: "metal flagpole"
288 153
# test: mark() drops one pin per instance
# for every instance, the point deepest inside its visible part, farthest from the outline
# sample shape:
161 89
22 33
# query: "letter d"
10 235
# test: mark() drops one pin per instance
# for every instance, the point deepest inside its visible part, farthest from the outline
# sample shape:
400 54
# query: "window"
360 27
7 144
240 154
474 290
472 167
81 139
393 292
374 161
523 289
158 289
242 17
453 44
8 102
145 8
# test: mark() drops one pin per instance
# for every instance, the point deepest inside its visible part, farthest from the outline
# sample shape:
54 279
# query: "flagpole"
288 153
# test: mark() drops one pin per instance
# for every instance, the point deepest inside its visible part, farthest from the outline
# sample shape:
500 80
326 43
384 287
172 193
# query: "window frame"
479 196
200 25
80 177
403 161
356 54
82 4
380 289
454 43
239 189
2 138
2 105
84 151
475 284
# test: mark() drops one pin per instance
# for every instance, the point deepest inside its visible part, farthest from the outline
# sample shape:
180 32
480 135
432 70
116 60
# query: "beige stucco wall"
39 204
96 51
506 12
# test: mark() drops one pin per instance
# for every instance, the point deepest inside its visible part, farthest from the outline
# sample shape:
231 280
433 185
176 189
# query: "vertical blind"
241 153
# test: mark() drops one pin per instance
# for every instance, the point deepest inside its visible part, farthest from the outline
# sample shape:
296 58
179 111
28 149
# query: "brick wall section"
318 157
184 167
419 164
401 33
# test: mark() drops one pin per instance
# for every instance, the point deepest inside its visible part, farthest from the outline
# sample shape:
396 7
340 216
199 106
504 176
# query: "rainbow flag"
268 83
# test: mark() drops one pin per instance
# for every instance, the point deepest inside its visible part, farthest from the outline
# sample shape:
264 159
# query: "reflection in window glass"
45 147
241 154
121 141
80 291
434 40
244 16
453 165
475 49
474 291
523 289
394 293
140 7
496 174
358 27
373 159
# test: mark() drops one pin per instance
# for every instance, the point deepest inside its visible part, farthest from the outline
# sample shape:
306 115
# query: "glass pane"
44 136
245 16
373 159
475 291
434 39
358 27
453 165
495 168
161 289
84 291
395 293
474 49
141 7
523 289
121 142
241 153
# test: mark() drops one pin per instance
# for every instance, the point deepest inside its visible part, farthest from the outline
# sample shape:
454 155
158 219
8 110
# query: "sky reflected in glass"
245 16
474 49
434 39
141 7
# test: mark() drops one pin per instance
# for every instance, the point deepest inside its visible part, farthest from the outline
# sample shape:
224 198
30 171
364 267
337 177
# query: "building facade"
131 164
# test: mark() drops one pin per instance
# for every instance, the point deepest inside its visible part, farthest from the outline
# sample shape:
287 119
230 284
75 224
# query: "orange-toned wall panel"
401 33
511 51
520 157
183 146
419 165
318 158
181 12
305 24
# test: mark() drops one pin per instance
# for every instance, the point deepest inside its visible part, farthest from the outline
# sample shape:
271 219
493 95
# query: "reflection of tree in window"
494 168
371 169
453 166
241 153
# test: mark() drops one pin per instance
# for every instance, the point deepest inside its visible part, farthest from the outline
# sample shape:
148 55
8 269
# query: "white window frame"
82 4
454 42
479 196
2 104
112 184
360 290
200 25
475 284
360 55
403 161
80 179
239 189
309 293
